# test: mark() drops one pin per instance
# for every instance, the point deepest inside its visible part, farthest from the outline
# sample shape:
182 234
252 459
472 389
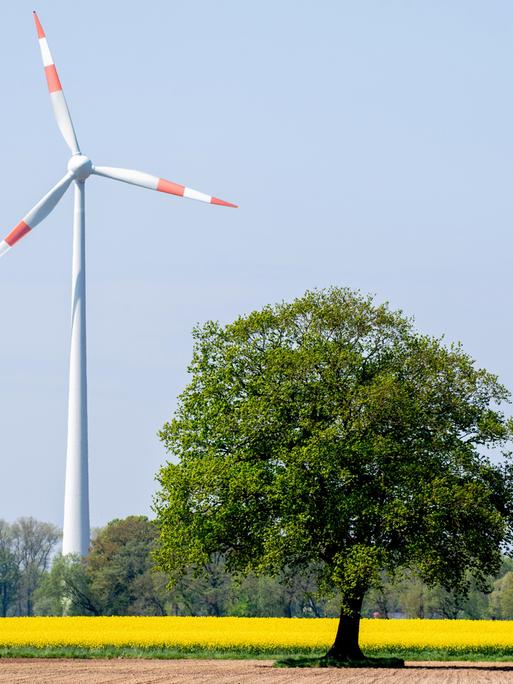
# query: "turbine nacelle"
80 167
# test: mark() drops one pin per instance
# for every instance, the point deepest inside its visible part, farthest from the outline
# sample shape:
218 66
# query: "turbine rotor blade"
39 212
145 180
60 107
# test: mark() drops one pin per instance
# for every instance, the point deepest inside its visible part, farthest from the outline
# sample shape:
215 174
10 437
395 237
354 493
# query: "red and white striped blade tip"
216 200
39 28
163 185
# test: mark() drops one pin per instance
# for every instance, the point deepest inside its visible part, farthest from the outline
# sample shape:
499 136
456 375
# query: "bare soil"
49 671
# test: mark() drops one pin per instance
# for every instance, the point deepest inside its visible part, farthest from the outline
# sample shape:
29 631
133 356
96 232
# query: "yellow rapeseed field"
254 634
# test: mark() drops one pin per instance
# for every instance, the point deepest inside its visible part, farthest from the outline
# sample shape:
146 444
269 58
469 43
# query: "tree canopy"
328 433
25 551
115 578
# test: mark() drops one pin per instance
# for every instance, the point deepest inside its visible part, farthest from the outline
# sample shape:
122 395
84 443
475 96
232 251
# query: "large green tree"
327 433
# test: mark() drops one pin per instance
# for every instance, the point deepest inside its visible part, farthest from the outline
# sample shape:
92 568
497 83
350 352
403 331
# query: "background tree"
501 598
9 571
120 569
408 596
204 589
385 598
66 589
328 433
33 544
417 599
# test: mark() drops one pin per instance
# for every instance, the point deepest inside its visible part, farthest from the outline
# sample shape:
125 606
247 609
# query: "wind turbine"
76 496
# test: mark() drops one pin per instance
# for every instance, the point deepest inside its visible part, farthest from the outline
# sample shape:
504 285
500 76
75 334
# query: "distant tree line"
118 578
25 552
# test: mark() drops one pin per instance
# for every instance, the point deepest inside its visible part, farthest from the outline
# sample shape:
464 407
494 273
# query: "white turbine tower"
76 496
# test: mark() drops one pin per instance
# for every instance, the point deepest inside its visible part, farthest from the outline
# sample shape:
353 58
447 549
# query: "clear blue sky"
369 144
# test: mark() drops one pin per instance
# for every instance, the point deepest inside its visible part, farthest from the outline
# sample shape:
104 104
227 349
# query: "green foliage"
501 598
25 551
285 595
119 567
116 578
9 569
407 596
66 589
329 434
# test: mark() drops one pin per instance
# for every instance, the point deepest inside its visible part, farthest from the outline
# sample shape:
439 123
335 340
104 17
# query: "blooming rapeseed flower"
253 634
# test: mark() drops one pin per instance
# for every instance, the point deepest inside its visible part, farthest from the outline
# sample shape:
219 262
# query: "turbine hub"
80 166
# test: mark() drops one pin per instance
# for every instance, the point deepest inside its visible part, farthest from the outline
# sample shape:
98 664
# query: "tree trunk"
346 645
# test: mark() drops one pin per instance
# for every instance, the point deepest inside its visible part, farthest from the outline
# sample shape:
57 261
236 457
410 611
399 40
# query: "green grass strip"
132 652
486 654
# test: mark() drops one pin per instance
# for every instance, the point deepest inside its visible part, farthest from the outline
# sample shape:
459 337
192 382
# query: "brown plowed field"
36 671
